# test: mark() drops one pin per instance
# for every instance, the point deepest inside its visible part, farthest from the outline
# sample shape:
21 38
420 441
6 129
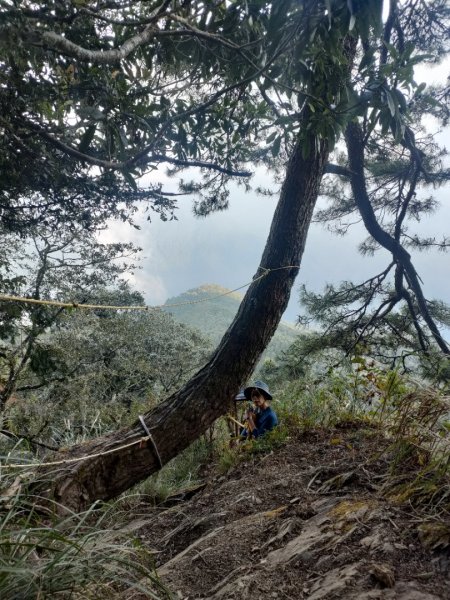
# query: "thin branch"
420 334
191 29
117 166
57 42
406 202
388 30
337 170
201 164
30 440
422 244
119 22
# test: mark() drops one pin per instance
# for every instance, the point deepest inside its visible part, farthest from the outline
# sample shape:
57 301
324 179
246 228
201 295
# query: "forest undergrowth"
97 554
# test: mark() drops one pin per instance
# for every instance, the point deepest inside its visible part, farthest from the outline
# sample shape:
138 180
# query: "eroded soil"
310 520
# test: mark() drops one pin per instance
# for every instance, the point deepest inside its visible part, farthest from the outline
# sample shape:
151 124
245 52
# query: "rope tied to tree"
152 441
55 463
74 304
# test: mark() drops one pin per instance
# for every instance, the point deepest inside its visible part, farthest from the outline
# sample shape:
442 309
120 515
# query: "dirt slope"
306 521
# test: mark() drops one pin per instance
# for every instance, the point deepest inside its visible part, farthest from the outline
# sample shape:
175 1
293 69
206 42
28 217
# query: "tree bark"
183 417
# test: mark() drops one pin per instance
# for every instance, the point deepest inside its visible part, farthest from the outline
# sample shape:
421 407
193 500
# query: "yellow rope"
100 306
9 298
235 421
73 460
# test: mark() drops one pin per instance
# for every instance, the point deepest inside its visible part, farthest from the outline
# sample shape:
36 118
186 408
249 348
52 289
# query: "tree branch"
201 164
337 170
118 166
355 147
57 42
30 440
404 205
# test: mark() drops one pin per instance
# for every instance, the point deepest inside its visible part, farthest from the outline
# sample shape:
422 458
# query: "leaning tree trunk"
180 419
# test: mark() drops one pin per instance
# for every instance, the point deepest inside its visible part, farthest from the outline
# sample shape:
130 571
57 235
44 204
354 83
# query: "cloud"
226 248
152 286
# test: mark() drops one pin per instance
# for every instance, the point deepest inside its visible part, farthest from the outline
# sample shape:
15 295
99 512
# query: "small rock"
383 574
372 541
307 557
335 582
400 546
323 560
388 548
283 483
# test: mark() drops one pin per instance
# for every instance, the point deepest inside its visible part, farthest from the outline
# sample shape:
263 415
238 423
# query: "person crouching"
261 418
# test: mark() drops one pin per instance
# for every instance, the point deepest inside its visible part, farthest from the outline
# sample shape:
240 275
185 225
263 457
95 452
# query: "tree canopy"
96 94
50 265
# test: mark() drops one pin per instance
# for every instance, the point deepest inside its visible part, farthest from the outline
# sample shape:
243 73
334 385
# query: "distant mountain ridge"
213 317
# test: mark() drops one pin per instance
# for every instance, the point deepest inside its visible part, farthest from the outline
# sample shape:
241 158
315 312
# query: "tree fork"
180 419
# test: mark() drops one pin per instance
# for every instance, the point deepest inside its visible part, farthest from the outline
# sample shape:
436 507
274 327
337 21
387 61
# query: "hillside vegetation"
314 524
213 317
343 501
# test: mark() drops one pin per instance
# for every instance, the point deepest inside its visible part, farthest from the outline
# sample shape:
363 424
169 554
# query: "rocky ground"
310 520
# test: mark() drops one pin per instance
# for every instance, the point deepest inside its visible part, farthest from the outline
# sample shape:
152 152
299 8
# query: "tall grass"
418 424
76 556
181 473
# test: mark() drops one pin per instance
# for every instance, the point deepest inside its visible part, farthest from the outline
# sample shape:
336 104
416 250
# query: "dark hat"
240 396
261 386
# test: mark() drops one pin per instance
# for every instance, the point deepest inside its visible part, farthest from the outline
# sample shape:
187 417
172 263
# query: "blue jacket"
265 420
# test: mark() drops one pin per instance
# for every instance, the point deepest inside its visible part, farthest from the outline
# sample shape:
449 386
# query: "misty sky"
225 248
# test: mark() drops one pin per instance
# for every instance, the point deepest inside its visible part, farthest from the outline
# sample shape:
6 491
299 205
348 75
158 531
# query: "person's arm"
251 425
249 420
266 423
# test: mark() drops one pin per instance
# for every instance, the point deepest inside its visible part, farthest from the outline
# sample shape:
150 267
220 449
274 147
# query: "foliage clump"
81 555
